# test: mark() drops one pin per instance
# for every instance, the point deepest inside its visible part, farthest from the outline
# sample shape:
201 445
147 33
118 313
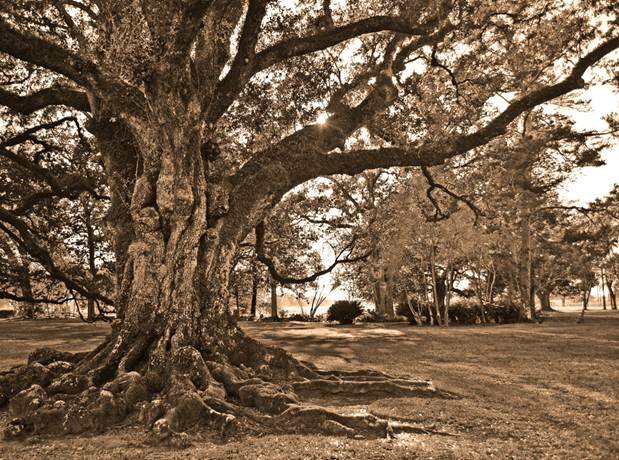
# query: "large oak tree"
205 113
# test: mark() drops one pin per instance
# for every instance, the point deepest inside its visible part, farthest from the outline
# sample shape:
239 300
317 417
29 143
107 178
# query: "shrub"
372 316
463 312
403 310
466 312
344 311
299 317
502 314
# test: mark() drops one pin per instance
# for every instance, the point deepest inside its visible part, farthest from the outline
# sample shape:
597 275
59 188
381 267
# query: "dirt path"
526 391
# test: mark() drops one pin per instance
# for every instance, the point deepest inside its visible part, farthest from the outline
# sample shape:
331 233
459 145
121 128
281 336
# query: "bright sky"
594 182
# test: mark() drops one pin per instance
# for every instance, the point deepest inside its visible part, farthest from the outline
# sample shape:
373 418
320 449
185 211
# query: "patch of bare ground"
523 391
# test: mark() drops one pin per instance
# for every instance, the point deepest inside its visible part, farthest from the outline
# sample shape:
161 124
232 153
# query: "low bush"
404 310
503 314
305 318
372 316
465 312
299 317
344 311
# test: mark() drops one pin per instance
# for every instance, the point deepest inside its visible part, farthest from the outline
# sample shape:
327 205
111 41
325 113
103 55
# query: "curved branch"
72 192
433 185
355 162
29 104
37 51
30 299
233 83
241 69
26 241
331 37
284 279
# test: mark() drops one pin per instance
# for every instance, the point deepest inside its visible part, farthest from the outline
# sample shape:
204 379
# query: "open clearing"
524 391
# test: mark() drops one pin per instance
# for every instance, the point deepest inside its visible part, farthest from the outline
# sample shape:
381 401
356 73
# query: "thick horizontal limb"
29 104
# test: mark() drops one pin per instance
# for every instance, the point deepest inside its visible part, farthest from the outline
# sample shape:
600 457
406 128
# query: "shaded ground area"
524 391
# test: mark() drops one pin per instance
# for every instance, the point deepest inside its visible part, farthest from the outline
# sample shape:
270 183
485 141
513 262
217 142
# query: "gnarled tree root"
175 390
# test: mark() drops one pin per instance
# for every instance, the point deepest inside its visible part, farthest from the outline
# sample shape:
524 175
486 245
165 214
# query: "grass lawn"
524 391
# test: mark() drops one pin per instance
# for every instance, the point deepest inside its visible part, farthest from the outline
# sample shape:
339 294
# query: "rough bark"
176 358
274 312
544 298
612 294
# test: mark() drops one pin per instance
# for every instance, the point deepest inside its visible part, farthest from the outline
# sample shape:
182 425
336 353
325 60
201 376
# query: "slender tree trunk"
389 310
531 277
585 302
603 288
448 287
612 295
407 302
238 301
90 310
490 294
254 296
380 288
480 292
434 286
92 266
28 309
274 313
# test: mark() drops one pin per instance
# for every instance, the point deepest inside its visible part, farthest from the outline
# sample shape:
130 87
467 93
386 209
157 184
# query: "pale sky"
590 183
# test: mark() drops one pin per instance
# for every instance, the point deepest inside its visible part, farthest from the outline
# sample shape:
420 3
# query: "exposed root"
318 420
173 390
378 388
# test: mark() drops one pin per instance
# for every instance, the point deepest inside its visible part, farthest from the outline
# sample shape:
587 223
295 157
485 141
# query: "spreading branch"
37 51
30 299
433 185
29 104
424 154
22 237
236 79
284 279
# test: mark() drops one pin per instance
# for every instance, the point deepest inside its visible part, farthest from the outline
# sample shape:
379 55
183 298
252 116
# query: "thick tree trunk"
119 149
544 299
176 357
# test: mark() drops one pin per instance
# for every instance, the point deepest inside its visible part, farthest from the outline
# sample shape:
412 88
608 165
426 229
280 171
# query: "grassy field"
524 391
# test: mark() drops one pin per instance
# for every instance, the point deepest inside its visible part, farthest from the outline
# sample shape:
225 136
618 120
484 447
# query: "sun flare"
322 118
